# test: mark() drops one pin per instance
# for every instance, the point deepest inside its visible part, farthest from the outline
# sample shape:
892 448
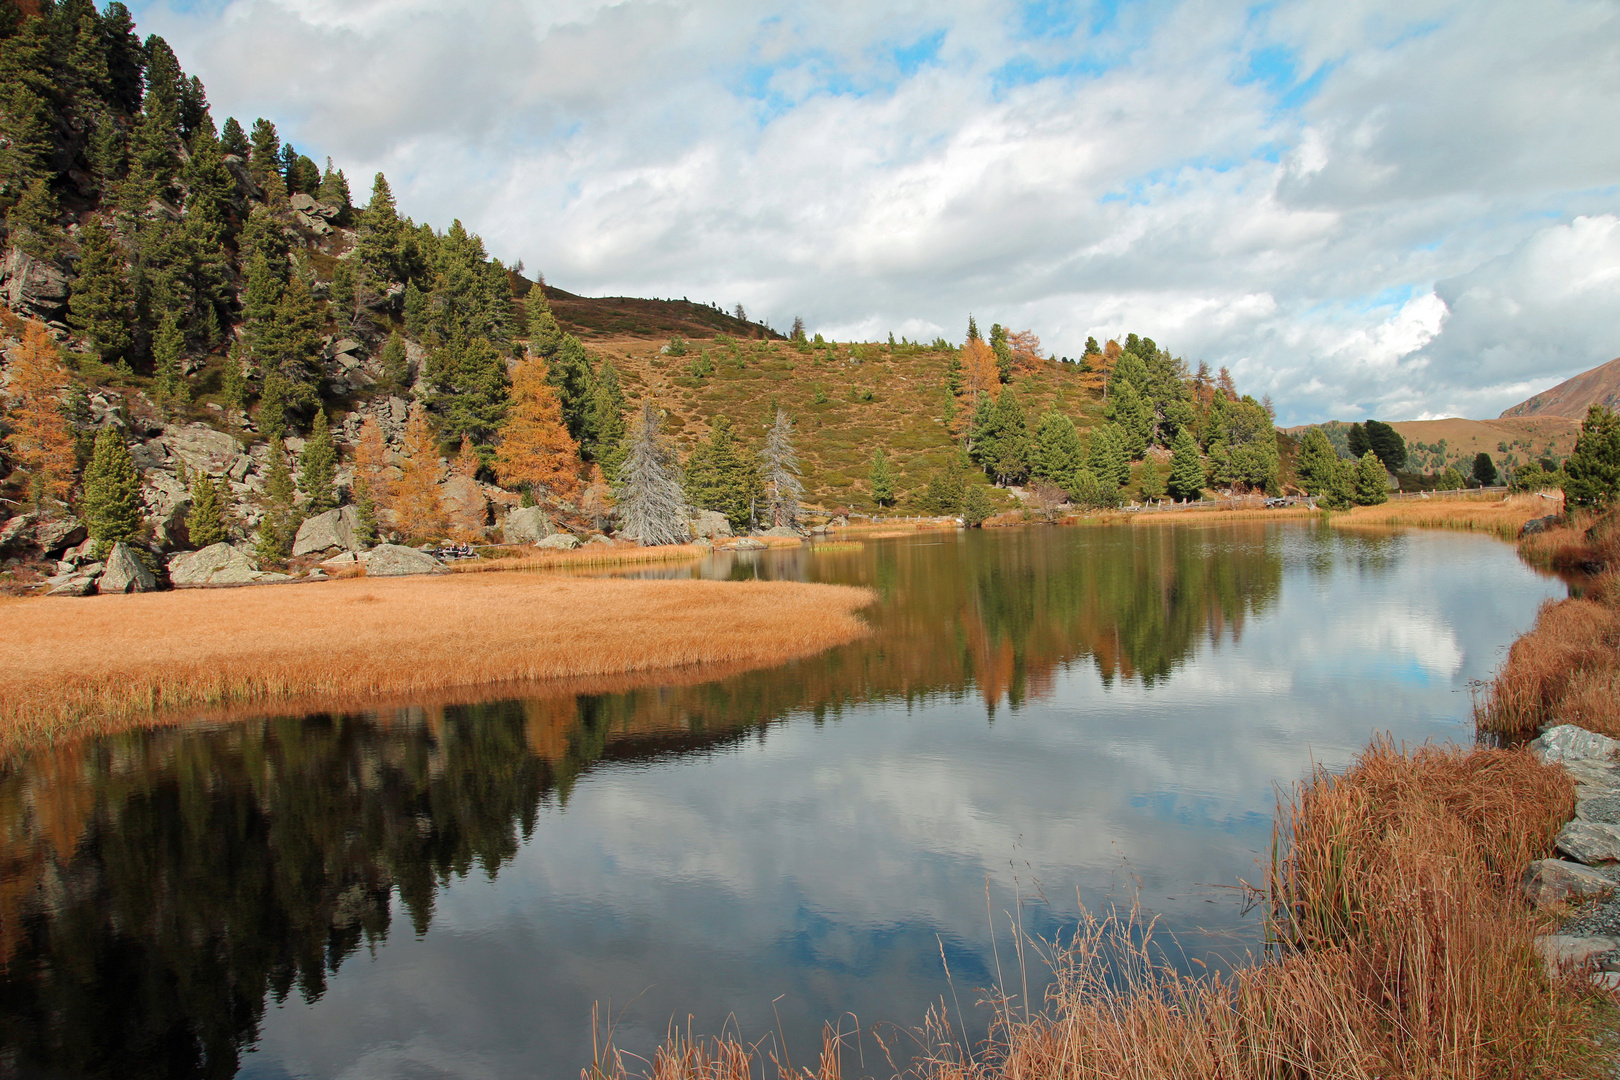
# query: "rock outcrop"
335 530
395 560
125 573
711 525
559 542
526 525
33 286
217 564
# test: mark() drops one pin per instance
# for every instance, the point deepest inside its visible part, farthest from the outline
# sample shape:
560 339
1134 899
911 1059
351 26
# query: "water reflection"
172 900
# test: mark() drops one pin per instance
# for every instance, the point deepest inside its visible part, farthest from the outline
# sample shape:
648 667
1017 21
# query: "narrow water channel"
1042 718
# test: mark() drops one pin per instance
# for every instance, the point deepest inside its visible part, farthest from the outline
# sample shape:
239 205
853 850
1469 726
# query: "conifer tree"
570 373
881 477
233 140
317 467
1106 457
381 244
1371 481
779 466
720 477
26 87
125 58
169 389
536 451
1057 451
112 493
545 336
205 521
604 417
1452 480
416 499
264 160
279 526
106 154
652 508
87 63
1318 465
1153 481
40 439
396 363
1130 414
32 222
1484 469
372 491
1592 473
976 506
470 388
1186 468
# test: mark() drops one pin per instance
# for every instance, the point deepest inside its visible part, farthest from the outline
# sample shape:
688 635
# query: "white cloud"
1292 225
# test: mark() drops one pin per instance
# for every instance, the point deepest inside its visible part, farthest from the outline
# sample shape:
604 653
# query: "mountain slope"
1572 397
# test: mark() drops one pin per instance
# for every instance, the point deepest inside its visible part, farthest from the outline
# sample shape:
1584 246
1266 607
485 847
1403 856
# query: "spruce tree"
1186 468
1318 465
317 468
233 140
100 306
779 468
604 417
976 506
396 363
1056 452
1371 486
1153 481
1592 473
112 493
381 244
32 222
1131 414
205 521
1484 469
264 158
27 85
570 373
1106 457
169 390
651 506
881 477
279 526
719 477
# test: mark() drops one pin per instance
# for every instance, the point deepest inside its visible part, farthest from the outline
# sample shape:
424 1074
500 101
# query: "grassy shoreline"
103 663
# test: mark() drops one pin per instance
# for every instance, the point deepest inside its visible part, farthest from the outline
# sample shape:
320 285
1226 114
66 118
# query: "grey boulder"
559 542
332 531
395 560
125 573
1565 950
59 534
1601 808
782 530
748 543
711 524
526 525
33 285
1552 881
1590 842
1566 742
216 564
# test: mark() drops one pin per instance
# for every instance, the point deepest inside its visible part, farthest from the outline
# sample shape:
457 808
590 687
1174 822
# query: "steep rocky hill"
1572 397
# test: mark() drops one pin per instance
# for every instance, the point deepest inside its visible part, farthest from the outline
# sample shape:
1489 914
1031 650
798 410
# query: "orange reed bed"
73 666
1566 670
1400 951
528 557
1221 515
1502 517
1583 541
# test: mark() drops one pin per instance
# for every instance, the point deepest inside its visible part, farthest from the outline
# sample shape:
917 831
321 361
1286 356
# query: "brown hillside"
1572 397
1431 445
904 413
590 318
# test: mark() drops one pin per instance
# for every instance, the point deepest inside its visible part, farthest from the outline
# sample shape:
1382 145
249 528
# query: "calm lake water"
1042 718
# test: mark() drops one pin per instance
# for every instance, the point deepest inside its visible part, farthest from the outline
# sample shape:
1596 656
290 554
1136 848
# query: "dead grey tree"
652 505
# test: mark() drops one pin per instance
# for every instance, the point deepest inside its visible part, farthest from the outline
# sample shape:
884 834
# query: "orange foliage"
416 503
1026 349
371 465
40 439
979 372
536 448
466 463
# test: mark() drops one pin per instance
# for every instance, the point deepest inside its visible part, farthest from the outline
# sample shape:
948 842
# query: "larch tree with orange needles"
41 440
416 500
980 375
372 490
1028 357
536 450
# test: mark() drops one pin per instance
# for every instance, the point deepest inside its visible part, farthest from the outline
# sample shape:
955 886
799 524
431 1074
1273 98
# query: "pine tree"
976 506
205 522
536 451
169 390
881 477
233 384
264 160
26 87
381 244
470 389
1318 464
396 363
1592 473
40 439
1057 451
652 507
106 154
32 222
112 493
1371 481
1130 414
1106 457
1153 481
317 467
279 526
779 467
719 477
233 140
604 416
1484 469
570 373
416 499
1186 468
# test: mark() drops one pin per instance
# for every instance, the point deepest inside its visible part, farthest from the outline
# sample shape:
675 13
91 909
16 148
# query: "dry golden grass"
837 547
1492 513
594 556
82 665
1400 953
1584 541
1222 515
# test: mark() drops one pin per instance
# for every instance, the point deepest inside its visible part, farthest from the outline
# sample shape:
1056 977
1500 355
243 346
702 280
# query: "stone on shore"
559 542
711 524
783 530
1599 808
1562 950
125 573
216 564
1568 743
332 531
1590 842
395 560
526 525
748 543
1554 881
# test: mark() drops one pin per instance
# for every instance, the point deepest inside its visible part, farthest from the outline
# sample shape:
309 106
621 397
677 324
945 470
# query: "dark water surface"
1062 715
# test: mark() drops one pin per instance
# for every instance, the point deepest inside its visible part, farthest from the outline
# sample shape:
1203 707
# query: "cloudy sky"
1399 208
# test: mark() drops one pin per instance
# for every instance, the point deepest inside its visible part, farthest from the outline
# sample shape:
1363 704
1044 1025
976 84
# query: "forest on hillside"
212 341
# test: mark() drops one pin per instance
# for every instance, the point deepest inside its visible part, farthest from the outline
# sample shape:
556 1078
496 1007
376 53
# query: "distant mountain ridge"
1572 397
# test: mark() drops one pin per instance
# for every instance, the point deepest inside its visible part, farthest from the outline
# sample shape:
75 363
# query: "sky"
1394 208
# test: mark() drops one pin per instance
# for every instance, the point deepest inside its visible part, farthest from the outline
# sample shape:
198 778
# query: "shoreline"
105 663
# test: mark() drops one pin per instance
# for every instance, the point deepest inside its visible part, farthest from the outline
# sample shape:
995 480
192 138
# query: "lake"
1042 718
